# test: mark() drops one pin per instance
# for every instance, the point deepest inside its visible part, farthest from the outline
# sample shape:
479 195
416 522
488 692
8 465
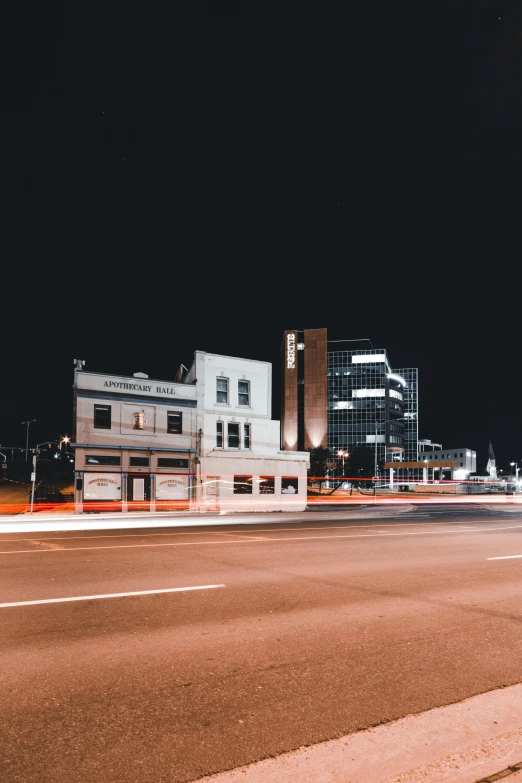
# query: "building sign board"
143 387
102 486
171 487
291 348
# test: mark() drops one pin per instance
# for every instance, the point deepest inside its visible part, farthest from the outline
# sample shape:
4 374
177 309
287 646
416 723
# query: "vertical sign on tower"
289 405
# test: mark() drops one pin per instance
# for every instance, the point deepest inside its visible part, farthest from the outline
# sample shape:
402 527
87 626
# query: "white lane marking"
248 541
505 557
110 595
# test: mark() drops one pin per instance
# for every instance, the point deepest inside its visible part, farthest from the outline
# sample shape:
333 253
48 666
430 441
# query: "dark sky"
206 175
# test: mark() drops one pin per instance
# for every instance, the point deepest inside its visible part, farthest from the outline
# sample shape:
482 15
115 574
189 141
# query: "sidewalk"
57 521
473 741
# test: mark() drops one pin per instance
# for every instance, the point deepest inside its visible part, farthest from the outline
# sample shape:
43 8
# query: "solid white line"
250 540
248 531
506 557
109 595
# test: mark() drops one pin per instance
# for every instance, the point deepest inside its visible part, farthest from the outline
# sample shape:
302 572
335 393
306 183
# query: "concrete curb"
461 743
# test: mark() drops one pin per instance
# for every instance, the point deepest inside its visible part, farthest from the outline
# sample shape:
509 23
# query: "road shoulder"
462 743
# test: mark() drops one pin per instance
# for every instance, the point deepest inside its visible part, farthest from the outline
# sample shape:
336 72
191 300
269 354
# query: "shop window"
246 436
289 485
222 390
172 462
266 485
101 459
139 462
242 485
233 435
102 417
219 434
174 422
243 392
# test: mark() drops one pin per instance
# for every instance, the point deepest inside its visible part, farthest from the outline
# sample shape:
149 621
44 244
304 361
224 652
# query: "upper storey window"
222 390
243 392
102 417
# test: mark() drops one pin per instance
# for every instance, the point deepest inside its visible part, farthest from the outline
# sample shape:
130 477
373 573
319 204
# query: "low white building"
433 452
204 442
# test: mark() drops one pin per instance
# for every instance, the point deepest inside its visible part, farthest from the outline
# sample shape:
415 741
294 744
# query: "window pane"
172 462
266 485
242 485
102 417
141 462
219 434
289 485
222 389
243 392
246 436
233 435
102 459
174 422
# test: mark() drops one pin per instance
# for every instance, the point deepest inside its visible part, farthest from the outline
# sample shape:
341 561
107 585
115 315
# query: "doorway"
138 492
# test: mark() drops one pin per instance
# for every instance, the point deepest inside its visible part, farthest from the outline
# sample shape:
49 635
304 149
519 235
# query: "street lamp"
377 425
27 438
515 465
343 455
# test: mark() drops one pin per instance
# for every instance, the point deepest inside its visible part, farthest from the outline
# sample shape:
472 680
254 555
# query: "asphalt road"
303 632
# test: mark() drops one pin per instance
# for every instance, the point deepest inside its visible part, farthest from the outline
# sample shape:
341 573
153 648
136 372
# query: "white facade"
205 443
467 458
241 465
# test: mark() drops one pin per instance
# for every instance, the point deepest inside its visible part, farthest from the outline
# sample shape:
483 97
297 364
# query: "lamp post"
27 438
343 455
515 465
377 425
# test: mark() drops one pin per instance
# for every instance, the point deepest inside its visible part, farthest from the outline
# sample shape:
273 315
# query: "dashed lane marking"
109 595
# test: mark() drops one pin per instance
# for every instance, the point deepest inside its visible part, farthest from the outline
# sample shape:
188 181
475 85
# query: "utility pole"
27 438
33 478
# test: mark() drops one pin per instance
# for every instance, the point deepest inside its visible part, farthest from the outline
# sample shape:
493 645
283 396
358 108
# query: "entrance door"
212 493
138 492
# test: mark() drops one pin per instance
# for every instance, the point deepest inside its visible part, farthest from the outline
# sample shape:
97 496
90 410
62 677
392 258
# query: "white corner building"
205 442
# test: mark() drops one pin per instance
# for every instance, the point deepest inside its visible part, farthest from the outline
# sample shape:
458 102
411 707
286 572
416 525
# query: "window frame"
263 485
163 460
243 485
247 435
219 435
175 431
284 484
231 424
115 461
98 407
145 462
220 391
239 402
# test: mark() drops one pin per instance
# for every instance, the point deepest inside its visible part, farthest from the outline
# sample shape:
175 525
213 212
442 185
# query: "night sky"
203 176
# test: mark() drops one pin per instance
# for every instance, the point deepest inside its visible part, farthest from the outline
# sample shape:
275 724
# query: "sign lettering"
290 351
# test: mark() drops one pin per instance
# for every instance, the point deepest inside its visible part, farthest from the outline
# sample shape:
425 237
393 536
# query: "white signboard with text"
102 486
171 487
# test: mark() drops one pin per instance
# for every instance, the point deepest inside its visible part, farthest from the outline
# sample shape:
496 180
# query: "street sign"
33 476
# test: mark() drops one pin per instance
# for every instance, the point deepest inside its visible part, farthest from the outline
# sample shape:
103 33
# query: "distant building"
491 467
433 452
205 442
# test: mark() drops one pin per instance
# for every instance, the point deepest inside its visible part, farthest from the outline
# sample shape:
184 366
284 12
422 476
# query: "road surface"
298 633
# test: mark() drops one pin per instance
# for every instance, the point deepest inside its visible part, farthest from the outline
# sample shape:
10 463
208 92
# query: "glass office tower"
370 403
